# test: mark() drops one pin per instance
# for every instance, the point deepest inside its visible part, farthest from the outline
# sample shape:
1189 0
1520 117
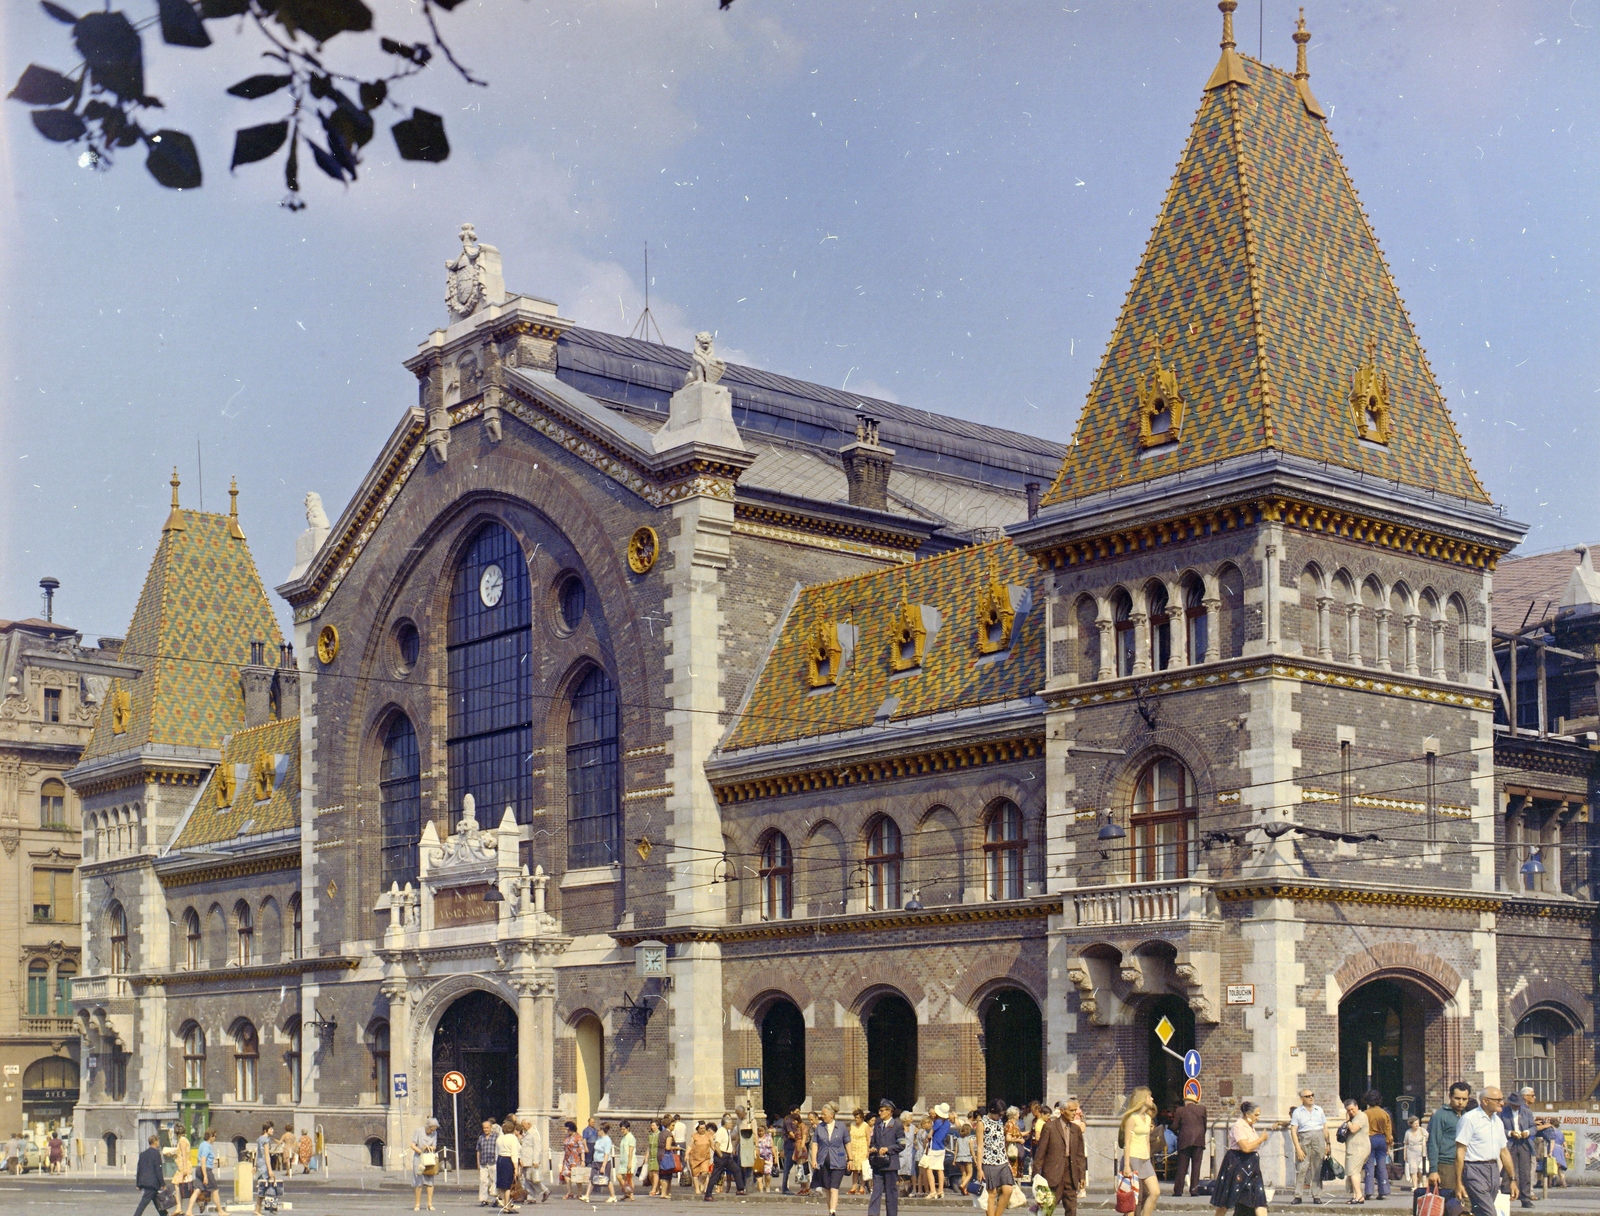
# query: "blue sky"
939 203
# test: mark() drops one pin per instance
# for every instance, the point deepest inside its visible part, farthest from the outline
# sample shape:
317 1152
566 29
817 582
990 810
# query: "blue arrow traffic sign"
1191 1063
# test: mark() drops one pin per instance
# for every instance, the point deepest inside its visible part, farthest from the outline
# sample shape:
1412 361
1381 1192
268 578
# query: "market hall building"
648 717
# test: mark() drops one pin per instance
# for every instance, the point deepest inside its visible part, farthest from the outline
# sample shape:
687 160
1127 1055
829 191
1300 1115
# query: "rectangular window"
52 895
52 705
64 975
1346 790
1433 801
38 991
1536 1066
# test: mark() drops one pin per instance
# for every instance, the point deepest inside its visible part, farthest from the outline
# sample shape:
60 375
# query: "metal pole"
455 1118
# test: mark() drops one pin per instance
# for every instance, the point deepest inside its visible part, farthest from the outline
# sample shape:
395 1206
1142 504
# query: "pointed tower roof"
1263 308
202 605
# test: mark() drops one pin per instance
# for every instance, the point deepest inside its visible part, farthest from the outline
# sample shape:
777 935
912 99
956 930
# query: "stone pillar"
1352 613
1106 667
1437 666
1141 643
398 1134
1411 644
1325 627
1213 607
1271 609
1381 624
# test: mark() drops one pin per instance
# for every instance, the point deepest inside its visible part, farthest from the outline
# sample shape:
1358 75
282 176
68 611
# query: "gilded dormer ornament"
226 786
995 613
1160 407
910 638
823 653
121 710
262 774
1369 399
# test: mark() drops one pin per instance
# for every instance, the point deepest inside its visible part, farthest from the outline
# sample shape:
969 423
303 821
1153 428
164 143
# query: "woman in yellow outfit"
856 1152
1136 1163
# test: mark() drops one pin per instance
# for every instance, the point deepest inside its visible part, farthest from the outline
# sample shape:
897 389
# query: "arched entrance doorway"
1166 1074
891 1026
1389 1030
1013 1047
783 1058
477 1037
591 1071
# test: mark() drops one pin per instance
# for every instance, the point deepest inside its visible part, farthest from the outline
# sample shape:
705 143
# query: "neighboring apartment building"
53 689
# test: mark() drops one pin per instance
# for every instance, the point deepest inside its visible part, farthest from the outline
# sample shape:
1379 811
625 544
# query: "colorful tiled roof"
1263 282
954 673
228 806
202 605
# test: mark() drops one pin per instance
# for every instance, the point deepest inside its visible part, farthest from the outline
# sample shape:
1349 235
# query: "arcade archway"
1392 1038
590 1036
783 1058
477 1037
1165 1073
1013 1048
891 1026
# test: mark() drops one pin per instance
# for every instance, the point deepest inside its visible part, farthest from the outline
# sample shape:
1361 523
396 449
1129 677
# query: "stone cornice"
194 871
215 977
1542 756
861 922
885 529
1462 901
153 764
1234 671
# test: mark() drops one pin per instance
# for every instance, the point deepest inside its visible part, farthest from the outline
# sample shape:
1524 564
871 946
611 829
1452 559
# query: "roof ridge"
889 571
260 726
1252 260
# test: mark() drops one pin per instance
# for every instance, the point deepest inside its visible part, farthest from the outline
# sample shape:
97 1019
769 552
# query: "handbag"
1430 1202
1127 1194
580 1173
167 1197
430 1164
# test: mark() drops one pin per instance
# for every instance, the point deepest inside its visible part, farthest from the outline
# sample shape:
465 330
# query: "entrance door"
591 1043
477 1037
892 1052
1381 1032
783 1059
1013 1042
1166 1074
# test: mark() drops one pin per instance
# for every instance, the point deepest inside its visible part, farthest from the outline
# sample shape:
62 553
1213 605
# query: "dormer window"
910 639
1161 408
823 654
996 614
1369 399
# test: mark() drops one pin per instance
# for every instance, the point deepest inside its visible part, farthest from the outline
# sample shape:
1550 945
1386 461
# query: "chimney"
256 679
288 682
1032 489
866 466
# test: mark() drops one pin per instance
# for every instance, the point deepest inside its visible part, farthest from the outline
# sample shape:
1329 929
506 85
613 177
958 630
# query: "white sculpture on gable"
475 279
702 410
703 362
311 540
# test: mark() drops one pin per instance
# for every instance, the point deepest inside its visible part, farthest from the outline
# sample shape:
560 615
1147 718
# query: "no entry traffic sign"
1191 1088
453 1082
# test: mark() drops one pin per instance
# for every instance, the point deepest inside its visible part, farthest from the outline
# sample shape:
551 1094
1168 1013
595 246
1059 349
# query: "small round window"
407 645
570 601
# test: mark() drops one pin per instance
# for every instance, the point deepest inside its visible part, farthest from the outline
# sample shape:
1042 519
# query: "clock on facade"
650 959
491 586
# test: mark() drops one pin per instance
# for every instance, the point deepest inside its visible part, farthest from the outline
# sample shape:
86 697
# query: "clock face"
655 962
491 586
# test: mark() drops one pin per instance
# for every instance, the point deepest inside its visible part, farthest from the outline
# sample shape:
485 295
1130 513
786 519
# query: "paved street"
70 1196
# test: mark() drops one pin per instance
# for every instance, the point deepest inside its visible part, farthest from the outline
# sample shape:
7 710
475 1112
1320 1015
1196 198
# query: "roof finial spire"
1302 74
234 530
175 519
1230 68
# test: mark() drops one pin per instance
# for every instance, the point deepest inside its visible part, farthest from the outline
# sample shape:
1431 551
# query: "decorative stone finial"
309 541
475 279
174 519
1230 68
1302 75
234 530
704 366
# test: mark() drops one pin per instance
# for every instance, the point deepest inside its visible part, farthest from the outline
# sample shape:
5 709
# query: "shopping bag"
1429 1202
1043 1195
1502 1204
1128 1194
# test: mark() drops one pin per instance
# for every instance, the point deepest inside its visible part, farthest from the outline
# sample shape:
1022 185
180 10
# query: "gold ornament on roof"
263 774
644 546
910 638
1161 407
823 653
995 613
226 785
1302 74
1369 398
121 710
328 644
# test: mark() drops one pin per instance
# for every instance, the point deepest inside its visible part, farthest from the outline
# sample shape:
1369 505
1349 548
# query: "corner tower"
1269 703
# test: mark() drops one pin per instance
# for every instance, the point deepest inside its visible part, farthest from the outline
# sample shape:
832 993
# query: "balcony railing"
1144 904
32 1024
100 987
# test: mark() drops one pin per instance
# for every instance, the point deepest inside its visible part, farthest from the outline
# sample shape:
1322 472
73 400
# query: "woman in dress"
991 1153
652 1160
1137 1120
1239 1177
860 1133
764 1158
1416 1153
424 1143
573 1154
666 1162
965 1140
506 1150
700 1157
1357 1147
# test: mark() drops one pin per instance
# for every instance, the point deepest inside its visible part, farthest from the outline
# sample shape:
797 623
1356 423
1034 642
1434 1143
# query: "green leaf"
373 94
173 160
111 48
59 13
257 143
59 125
181 25
42 87
421 137
252 87
322 19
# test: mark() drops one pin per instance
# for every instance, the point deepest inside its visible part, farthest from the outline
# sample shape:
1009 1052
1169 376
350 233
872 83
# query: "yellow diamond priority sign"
1164 1031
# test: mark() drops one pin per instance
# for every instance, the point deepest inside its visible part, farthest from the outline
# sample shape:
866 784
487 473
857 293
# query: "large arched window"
117 933
194 1057
245 924
1540 1041
38 988
1197 623
1124 640
399 804
191 940
52 804
594 804
884 859
1003 846
491 678
777 878
1160 628
246 1060
1162 823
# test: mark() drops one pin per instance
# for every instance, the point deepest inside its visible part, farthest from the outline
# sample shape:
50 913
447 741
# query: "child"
1416 1147
764 1159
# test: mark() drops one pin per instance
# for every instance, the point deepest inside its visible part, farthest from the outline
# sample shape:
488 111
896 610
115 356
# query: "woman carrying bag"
1239 1181
1357 1147
1137 1120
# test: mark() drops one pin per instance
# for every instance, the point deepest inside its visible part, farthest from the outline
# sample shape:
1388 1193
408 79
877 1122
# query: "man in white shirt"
1308 1129
1481 1152
722 1158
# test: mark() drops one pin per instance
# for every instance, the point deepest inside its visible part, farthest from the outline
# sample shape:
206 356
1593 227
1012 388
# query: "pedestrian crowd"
24 1152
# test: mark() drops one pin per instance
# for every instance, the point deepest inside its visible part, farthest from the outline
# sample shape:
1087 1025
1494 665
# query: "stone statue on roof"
475 279
316 517
704 366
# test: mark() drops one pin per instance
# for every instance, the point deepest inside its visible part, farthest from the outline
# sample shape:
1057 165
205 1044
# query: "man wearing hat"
938 1139
1517 1115
884 1147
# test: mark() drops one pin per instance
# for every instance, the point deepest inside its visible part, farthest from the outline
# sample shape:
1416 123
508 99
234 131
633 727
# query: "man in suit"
830 1155
150 1178
1060 1157
884 1146
1189 1125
